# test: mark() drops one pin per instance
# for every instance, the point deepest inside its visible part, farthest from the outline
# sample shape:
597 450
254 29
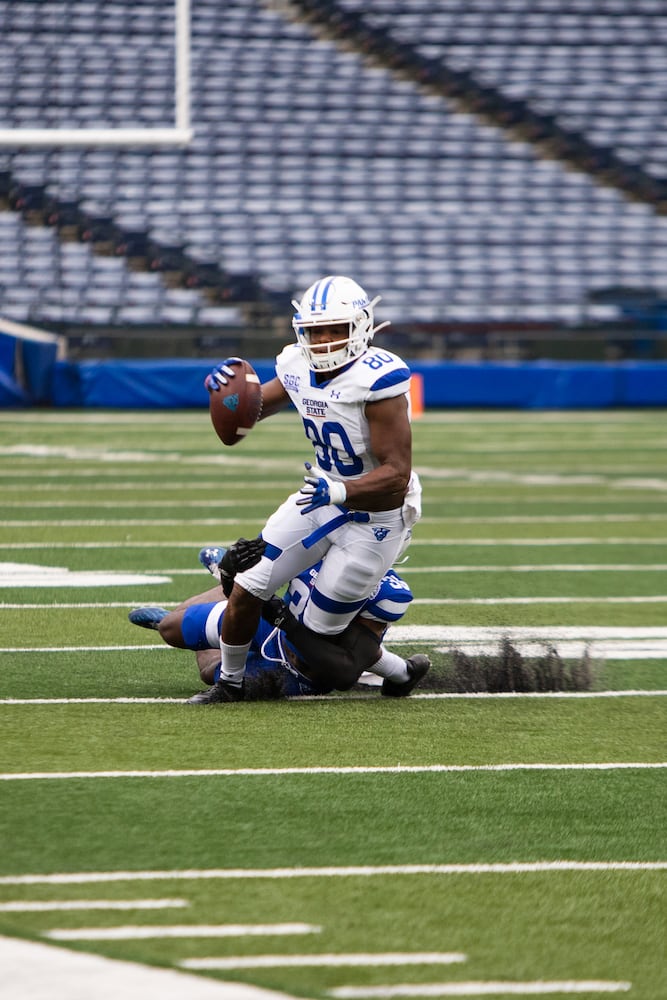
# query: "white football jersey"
333 410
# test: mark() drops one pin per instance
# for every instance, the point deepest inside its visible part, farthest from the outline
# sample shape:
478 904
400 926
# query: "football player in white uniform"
359 500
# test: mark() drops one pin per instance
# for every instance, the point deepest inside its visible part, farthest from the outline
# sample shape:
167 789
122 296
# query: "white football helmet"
333 300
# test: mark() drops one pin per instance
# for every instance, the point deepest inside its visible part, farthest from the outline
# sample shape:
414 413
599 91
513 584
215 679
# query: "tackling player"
356 509
289 659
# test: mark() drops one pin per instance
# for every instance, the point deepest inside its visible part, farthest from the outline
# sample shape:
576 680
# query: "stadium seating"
309 158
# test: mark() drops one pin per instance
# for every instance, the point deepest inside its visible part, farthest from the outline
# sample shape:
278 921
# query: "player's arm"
274 398
391 443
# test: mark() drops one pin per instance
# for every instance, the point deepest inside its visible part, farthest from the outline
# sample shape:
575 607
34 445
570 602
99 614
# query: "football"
235 408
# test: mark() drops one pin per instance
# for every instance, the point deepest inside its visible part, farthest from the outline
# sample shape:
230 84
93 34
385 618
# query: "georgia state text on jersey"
332 410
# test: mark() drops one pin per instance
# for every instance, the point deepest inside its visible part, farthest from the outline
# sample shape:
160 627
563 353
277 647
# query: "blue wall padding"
521 385
645 385
7 352
34 359
174 383
38 362
11 393
179 383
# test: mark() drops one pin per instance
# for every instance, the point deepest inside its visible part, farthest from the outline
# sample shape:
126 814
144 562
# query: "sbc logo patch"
380 533
232 402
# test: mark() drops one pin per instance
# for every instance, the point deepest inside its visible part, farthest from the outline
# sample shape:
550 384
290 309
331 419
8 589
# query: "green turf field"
452 843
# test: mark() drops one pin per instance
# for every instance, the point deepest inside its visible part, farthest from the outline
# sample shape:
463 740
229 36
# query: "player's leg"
285 557
208 662
359 556
153 617
194 624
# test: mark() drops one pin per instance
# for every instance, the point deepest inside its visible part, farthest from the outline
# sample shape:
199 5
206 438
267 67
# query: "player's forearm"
274 398
382 489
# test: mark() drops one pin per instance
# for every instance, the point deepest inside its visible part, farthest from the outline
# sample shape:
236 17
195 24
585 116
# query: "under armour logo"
380 533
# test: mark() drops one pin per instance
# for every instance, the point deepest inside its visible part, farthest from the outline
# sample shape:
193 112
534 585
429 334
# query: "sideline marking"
286 961
26 906
494 868
249 772
480 988
179 931
32 971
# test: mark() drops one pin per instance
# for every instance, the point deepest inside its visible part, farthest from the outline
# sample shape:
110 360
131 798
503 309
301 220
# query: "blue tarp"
26 369
179 383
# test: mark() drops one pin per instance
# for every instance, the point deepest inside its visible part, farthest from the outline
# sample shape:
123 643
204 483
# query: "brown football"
235 407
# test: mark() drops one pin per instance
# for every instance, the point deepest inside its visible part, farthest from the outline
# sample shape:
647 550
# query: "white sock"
391 666
232 667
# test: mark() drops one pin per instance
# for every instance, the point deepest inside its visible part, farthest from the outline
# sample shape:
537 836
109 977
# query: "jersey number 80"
333 448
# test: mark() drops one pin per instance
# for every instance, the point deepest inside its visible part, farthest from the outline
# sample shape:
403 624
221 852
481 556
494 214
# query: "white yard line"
442 634
142 933
550 695
250 772
218 522
351 871
536 568
27 906
80 649
653 599
461 633
139 601
650 693
195 545
324 961
479 988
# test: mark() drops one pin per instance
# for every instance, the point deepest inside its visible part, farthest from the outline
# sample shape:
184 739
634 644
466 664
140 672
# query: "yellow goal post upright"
179 135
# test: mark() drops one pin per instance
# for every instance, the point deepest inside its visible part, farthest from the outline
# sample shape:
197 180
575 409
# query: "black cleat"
418 666
222 691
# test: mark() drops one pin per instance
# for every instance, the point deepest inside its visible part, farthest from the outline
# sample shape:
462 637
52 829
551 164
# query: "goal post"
180 134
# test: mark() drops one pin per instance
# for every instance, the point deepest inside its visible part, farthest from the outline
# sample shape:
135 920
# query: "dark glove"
221 374
276 613
240 556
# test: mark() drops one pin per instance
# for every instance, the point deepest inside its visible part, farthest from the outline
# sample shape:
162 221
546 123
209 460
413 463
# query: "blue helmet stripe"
319 300
325 293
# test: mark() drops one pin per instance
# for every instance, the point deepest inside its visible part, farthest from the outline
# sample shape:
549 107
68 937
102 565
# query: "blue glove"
219 376
319 491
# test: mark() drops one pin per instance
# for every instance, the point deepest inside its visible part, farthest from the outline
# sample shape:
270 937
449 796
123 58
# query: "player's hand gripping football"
319 490
221 374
